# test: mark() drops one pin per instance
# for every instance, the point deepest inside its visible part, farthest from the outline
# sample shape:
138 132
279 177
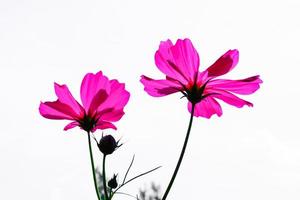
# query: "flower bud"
112 183
107 145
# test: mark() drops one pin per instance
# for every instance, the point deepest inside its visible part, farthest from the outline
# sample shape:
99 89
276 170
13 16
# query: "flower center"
195 93
87 123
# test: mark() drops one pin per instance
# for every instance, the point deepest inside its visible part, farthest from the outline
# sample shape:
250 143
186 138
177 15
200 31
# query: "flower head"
103 101
180 63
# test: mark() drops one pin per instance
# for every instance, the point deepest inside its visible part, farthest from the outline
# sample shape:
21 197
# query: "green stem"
93 167
104 179
181 154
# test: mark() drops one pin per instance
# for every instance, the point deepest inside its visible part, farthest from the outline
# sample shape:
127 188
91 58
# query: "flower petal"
229 98
71 125
224 64
98 99
243 86
206 108
117 98
56 110
186 57
179 61
90 86
159 88
104 125
111 115
65 97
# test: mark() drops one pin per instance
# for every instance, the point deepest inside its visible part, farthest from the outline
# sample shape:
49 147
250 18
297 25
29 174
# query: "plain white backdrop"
248 153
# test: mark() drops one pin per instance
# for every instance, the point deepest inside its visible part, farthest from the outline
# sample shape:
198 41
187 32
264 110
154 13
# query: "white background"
248 153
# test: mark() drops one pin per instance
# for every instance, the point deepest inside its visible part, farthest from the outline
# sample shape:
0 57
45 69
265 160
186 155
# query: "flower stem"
104 178
93 167
181 154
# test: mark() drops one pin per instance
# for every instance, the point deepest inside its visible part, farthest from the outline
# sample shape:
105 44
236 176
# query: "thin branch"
135 178
128 170
127 195
142 175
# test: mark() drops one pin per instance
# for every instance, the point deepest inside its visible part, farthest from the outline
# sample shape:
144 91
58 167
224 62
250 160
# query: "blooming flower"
102 99
180 63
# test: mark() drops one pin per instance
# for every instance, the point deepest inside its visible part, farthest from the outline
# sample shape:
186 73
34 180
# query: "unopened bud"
107 145
112 183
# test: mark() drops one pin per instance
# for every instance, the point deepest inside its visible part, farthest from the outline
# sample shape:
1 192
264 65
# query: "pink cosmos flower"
180 63
102 100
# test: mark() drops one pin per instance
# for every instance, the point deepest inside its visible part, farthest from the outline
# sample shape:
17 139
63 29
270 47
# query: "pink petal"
229 98
159 88
117 98
98 99
179 61
206 108
111 115
104 125
90 86
224 64
71 125
243 86
202 78
65 97
56 110
186 57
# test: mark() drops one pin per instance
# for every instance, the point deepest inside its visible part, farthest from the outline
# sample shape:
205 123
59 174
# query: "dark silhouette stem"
104 179
93 167
181 154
